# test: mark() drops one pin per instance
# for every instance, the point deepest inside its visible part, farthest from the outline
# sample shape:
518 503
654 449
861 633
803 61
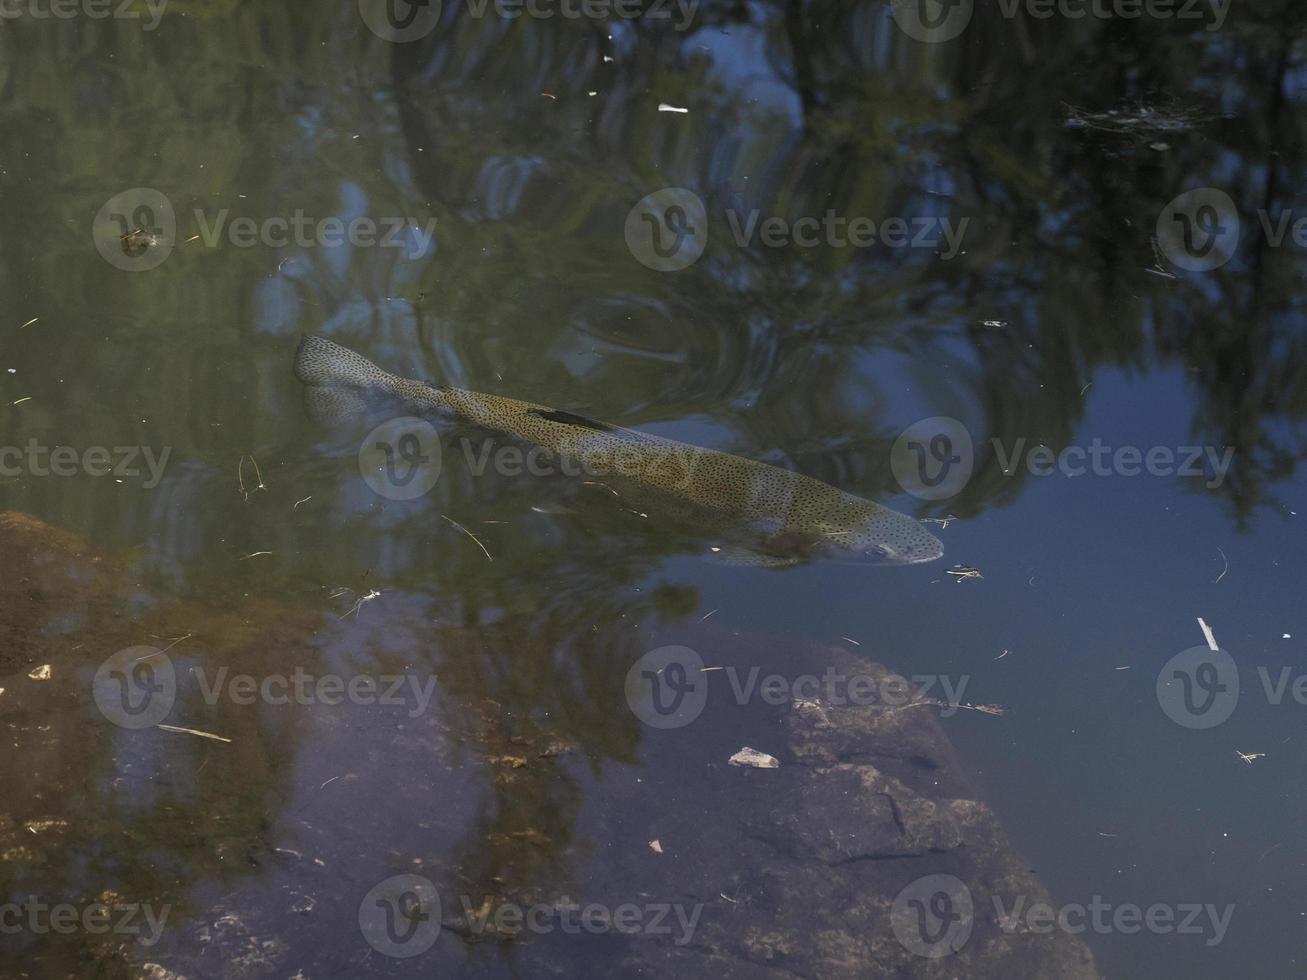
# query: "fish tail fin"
321 363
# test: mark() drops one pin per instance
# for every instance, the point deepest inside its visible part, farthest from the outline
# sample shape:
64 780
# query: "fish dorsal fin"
570 418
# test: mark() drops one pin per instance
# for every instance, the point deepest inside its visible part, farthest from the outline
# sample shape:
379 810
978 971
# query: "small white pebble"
752 757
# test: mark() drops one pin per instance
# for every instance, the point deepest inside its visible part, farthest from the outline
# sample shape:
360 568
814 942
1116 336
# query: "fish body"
766 515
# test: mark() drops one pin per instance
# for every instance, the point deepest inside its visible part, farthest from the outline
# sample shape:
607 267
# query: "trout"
754 513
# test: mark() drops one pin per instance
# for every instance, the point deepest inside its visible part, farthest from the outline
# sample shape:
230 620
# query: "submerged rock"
858 849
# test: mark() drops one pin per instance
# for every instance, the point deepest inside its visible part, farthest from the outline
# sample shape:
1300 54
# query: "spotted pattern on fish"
797 518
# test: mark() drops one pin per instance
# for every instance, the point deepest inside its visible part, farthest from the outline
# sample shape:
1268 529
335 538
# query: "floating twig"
240 476
171 645
470 535
193 731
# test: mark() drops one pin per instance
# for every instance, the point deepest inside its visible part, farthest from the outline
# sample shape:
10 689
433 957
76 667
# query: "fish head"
870 534
912 549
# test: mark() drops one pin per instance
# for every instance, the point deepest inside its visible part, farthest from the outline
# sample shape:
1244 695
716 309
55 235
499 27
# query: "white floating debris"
656 846
1207 633
46 823
752 757
41 673
1286 636
664 107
